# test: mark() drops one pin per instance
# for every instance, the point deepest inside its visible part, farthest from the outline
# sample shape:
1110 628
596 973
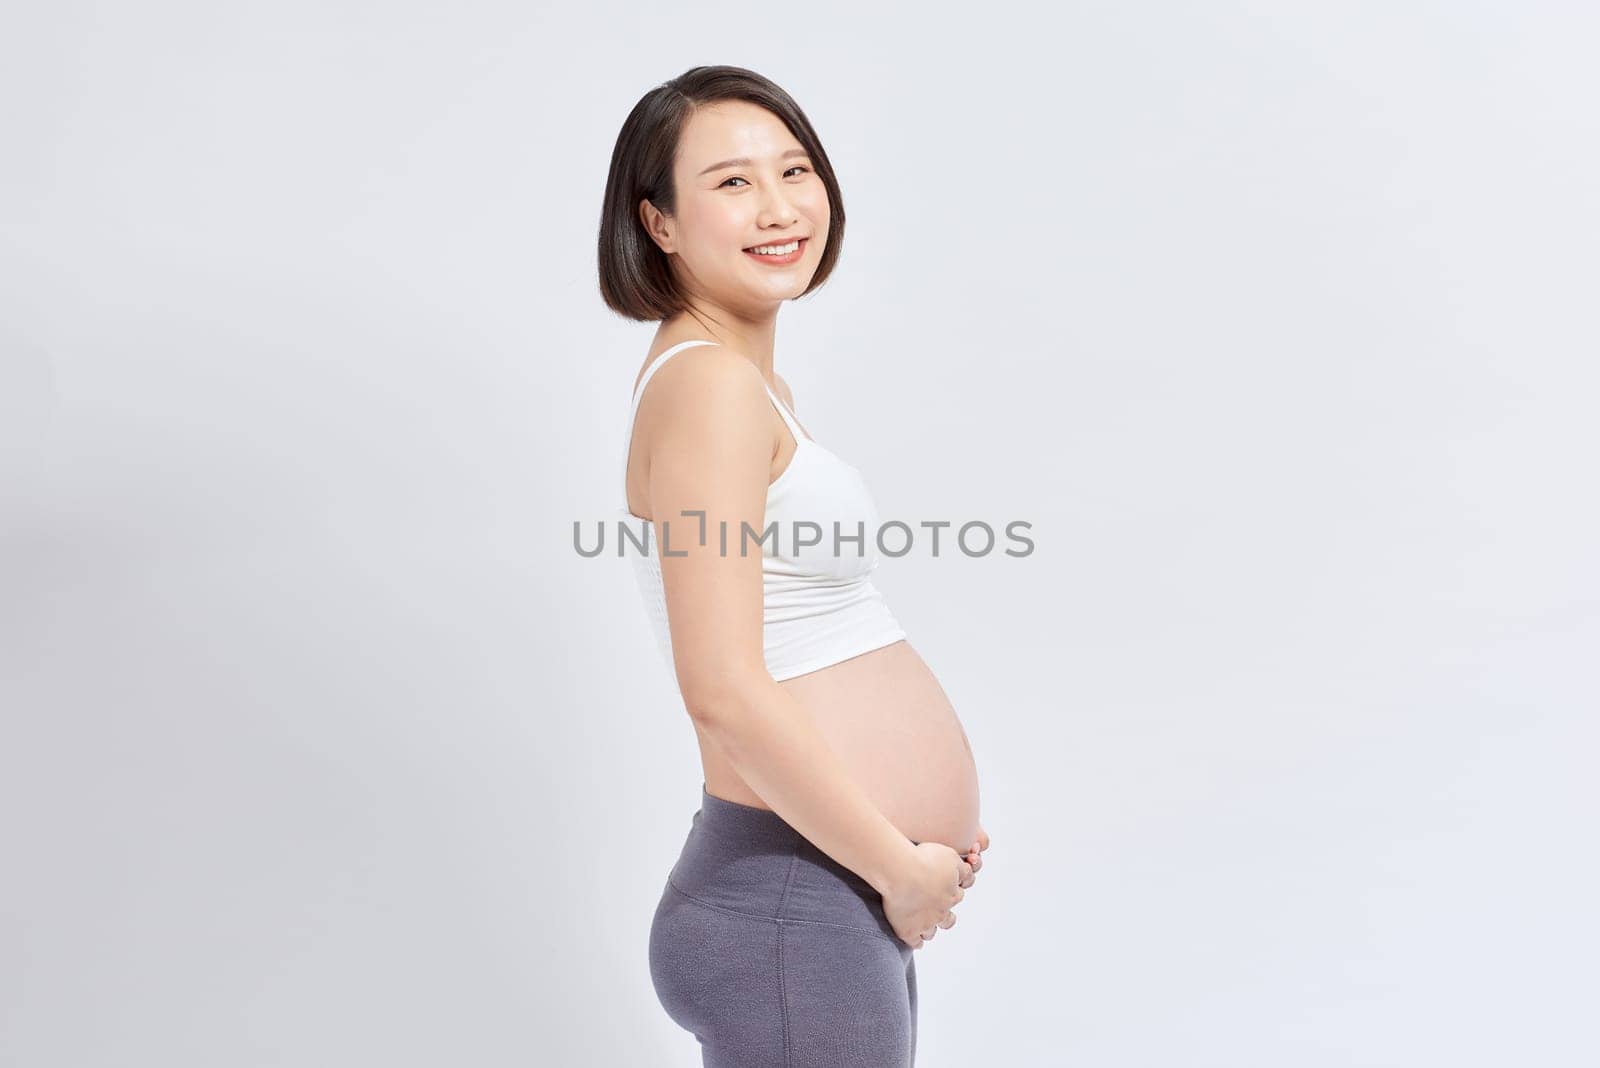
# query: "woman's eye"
736 178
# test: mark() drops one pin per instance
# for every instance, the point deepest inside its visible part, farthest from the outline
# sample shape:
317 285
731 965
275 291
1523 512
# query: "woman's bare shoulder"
704 383
713 362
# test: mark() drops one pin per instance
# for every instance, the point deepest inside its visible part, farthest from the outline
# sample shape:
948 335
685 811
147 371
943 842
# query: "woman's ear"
657 225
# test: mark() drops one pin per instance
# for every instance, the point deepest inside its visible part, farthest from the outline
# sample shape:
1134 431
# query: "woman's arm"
711 443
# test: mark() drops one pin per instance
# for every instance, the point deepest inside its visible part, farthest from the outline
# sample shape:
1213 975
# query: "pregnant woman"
838 821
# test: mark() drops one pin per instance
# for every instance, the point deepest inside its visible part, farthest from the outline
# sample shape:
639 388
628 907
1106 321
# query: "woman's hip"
772 953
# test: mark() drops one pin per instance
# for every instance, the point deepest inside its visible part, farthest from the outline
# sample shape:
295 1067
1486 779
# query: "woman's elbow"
713 698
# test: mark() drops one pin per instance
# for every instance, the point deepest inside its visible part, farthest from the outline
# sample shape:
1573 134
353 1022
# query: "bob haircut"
636 278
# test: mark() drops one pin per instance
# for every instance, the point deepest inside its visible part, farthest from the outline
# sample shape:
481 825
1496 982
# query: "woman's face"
769 194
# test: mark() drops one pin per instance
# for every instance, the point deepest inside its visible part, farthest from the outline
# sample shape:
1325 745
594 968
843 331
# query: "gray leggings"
774 955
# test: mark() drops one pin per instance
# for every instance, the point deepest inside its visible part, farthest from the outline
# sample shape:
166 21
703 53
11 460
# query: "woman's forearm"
774 744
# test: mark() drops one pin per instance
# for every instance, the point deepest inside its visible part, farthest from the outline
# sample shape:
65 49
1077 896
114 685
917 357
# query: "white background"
322 745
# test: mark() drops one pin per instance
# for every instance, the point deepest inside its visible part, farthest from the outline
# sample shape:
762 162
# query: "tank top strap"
633 408
663 358
788 418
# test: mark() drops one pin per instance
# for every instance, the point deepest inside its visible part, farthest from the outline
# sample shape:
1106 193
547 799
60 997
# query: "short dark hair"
636 279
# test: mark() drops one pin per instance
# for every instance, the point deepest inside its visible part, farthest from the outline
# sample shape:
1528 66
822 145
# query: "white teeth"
776 250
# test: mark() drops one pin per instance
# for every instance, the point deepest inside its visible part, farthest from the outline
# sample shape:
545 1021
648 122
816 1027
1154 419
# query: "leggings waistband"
743 859
746 823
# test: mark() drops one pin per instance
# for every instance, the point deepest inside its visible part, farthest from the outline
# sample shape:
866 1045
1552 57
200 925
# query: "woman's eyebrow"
745 161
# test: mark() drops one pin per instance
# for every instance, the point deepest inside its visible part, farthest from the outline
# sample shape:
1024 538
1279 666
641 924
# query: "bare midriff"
888 719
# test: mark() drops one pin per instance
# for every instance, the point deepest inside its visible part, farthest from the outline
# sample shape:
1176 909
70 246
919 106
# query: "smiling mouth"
779 258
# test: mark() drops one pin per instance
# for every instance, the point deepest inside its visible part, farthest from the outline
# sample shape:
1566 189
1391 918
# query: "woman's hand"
918 900
973 857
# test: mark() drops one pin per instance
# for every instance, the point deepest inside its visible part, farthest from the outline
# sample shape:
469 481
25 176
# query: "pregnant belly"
886 716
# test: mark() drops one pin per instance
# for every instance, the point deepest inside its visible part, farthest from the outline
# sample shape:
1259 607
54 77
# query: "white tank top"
820 606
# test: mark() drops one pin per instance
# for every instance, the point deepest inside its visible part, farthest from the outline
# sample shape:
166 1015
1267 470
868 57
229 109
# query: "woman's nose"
778 208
